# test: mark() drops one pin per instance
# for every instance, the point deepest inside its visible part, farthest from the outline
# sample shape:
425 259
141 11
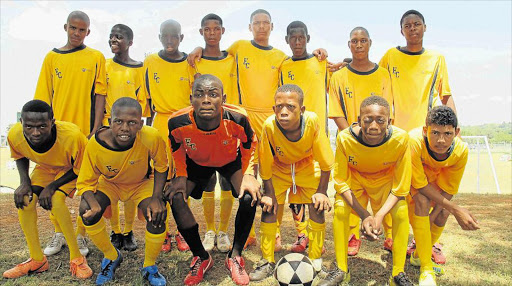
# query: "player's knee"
443 216
90 220
342 210
210 187
225 185
245 202
58 199
422 203
178 201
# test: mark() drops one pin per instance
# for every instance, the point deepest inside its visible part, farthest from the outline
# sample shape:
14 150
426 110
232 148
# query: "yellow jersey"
447 173
69 81
419 81
225 69
356 163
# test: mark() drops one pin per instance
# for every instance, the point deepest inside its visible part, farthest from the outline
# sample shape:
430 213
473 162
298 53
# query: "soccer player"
349 86
208 137
125 77
116 167
438 160
285 165
57 148
168 80
222 65
372 163
73 82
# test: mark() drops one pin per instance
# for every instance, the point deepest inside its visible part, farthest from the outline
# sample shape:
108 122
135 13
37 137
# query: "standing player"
372 163
168 79
348 88
125 77
57 149
285 165
438 161
205 138
116 167
73 82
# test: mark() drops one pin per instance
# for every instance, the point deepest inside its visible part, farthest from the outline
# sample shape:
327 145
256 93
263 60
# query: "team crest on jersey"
156 77
351 160
291 75
246 63
189 143
279 151
348 92
110 169
58 73
396 73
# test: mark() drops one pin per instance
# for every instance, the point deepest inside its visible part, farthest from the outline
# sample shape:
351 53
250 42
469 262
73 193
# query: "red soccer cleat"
301 244
166 247
250 242
198 268
181 243
353 245
437 254
388 244
236 267
411 248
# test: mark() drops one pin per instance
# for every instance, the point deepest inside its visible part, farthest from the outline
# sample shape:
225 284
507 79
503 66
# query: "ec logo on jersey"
290 75
351 160
110 169
396 72
156 77
246 63
58 73
278 150
189 143
348 92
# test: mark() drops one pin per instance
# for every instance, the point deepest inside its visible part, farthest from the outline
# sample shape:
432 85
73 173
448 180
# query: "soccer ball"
294 269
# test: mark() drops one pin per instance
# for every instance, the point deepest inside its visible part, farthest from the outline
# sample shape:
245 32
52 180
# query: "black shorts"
200 175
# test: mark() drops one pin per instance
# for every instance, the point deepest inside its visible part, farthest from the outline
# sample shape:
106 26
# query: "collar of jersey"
46 146
432 154
302 59
268 48
163 57
105 145
79 48
302 128
127 65
193 119
363 73
224 55
359 137
411 53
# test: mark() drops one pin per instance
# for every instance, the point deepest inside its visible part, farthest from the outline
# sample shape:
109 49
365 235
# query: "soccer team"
246 112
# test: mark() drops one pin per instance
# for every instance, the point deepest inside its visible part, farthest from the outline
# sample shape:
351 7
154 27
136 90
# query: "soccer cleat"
154 277
236 267
400 280
438 269
263 270
108 268
353 245
250 242
278 246
415 261
317 264
223 243
181 244
117 240
209 240
55 244
129 241
79 268
437 254
427 278
335 277
82 245
28 267
198 268
166 246
301 244
388 244
411 247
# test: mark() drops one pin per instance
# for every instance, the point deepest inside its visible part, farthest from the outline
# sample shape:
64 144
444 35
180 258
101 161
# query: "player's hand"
321 202
177 185
95 208
368 228
465 219
45 198
196 75
251 186
269 204
23 195
321 54
156 212
336 66
194 56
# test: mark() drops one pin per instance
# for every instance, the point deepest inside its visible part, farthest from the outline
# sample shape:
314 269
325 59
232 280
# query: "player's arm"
341 122
149 120
25 187
322 153
99 113
268 198
248 145
179 154
100 92
45 198
336 105
44 88
194 56
87 181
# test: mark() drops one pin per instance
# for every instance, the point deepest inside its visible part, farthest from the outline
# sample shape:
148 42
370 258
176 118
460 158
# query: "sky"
474 37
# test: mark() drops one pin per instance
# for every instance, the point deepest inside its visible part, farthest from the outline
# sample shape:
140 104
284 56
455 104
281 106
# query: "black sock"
243 223
191 236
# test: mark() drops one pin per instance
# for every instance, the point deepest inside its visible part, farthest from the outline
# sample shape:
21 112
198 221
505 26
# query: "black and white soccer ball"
294 269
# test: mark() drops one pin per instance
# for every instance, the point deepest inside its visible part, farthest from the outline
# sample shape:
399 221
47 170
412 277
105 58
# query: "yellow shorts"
42 177
306 181
413 192
257 119
132 192
377 194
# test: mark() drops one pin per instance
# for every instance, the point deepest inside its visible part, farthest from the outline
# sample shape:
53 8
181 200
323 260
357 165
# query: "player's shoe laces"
411 247
263 270
108 268
55 244
334 277
388 244
198 268
353 245
223 243
154 277
301 244
117 240
250 242
278 246
437 254
28 267
79 268
209 240
400 280
236 266
427 278
129 242
181 244
82 245
166 246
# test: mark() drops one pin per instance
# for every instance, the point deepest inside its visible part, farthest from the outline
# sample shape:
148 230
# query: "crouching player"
116 167
372 163
57 149
284 164
438 160
205 138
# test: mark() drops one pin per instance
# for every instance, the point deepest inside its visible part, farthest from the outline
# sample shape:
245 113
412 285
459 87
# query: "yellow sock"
130 211
61 212
114 219
55 223
279 219
316 234
28 222
436 232
209 210
387 223
152 249
355 225
268 240
300 226
226 205
340 229
421 229
400 226
98 234
80 227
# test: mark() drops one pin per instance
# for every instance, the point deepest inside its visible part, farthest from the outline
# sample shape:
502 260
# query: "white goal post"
486 142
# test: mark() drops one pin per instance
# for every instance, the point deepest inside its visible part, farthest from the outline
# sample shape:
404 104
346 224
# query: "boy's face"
207 98
288 110
374 121
126 122
212 32
440 137
261 26
118 41
413 29
297 39
170 37
37 127
77 30
359 45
